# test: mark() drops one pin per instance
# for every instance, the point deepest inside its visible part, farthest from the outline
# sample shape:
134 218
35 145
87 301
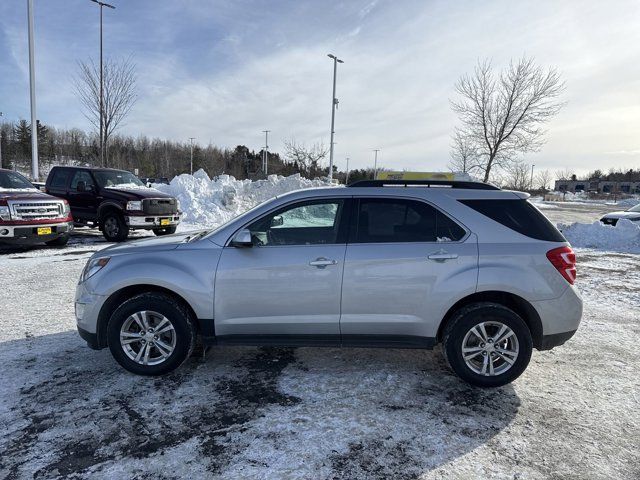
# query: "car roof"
93 169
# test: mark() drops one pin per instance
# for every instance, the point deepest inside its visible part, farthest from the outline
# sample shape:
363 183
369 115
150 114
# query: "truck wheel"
164 231
151 334
61 241
487 344
114 227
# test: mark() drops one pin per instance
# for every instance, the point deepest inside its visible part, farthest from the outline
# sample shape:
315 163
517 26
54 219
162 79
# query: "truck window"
59 178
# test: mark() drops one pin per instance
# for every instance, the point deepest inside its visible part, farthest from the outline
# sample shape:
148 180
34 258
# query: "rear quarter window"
518 215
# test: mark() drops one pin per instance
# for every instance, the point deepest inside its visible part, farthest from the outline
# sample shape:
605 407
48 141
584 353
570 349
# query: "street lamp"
32 94
334 104
265 161
531 185
375 164
346 178
191 139
101 4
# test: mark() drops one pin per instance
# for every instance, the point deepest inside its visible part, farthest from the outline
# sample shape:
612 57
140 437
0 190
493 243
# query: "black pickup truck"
115 201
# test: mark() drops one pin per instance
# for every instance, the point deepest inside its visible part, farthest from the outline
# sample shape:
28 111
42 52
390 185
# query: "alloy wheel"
148 338
490 348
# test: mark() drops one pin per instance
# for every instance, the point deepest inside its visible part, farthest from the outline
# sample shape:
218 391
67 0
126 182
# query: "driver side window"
304 223
81 176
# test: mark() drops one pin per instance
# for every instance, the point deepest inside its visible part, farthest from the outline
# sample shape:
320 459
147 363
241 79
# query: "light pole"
32 93
265 161
0 143
101 4
334 104
346 178
375 164
191 139
531 185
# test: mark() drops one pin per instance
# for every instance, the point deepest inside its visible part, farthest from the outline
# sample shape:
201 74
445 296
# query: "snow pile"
209 203
624 237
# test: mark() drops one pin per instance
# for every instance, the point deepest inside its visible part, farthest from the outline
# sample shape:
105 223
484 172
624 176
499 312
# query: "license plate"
165 221
44 230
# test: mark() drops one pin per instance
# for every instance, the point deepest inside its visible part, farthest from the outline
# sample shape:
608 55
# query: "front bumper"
87 308
28 233
153 221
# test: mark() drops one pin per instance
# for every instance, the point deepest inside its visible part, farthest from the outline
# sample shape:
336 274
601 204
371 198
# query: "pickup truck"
115 201
29 216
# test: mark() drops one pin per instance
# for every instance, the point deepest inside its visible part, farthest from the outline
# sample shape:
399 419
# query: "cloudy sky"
223 71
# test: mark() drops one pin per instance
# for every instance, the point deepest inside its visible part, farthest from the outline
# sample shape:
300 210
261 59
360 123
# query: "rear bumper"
555 340
560 317
153 221
29 233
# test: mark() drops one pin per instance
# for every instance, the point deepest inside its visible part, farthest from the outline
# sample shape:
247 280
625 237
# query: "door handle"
322 262
442 256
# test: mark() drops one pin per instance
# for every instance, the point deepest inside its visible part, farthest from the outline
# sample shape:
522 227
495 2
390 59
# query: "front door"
404 263
83 203
287 286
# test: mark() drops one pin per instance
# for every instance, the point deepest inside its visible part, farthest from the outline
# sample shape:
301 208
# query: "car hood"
135 193
621 214
149 244
24 194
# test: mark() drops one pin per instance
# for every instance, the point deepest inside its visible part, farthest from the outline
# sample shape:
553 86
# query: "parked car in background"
29 216
115 201
466 265
632 214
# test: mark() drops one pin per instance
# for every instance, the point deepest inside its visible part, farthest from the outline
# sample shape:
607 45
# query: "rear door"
406 261
58 184
287 286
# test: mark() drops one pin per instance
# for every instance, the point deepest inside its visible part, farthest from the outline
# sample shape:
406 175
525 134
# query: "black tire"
114 228
61 241
164 231
174 310
472 315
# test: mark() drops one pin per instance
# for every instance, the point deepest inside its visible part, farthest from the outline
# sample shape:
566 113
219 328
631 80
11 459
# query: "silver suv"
396 264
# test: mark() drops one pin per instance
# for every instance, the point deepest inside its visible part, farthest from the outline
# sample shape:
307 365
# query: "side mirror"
242 239
277 221
82 186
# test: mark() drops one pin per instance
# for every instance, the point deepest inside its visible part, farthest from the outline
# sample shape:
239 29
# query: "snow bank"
624 237
208 203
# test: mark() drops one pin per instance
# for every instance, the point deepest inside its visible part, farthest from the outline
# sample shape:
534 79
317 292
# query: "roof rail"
426 183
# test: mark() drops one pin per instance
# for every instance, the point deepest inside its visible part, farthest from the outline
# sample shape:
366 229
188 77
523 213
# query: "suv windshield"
14 181
117 179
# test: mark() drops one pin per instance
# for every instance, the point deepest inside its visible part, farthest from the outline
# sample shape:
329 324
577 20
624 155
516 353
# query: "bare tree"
544 179
119 94
464 153
517 176
308 158
504 114
566 174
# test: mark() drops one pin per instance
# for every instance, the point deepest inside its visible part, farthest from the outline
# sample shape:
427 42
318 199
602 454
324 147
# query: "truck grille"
35 210
159 206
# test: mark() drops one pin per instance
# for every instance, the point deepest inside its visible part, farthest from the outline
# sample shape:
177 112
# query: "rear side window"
59 179
384 220
518 215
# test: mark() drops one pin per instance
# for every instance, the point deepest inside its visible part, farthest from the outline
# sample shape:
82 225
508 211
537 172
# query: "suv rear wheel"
114 228
487 344
151 334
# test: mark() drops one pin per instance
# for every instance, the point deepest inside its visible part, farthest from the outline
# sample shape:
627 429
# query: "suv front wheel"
151 334
487 344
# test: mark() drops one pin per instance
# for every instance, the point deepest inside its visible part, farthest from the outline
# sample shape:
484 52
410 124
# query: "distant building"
596 185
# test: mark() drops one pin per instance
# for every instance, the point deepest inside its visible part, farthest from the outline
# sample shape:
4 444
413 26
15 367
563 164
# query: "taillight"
564 259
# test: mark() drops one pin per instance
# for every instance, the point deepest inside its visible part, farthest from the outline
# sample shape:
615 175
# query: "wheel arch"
120 296
107 207
510 300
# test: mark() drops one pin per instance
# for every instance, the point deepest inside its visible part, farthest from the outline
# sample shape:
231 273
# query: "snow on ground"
624 237
68 411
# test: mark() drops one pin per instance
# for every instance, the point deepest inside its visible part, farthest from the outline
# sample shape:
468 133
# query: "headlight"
178 204
92 267
135 205
4 212
65 208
